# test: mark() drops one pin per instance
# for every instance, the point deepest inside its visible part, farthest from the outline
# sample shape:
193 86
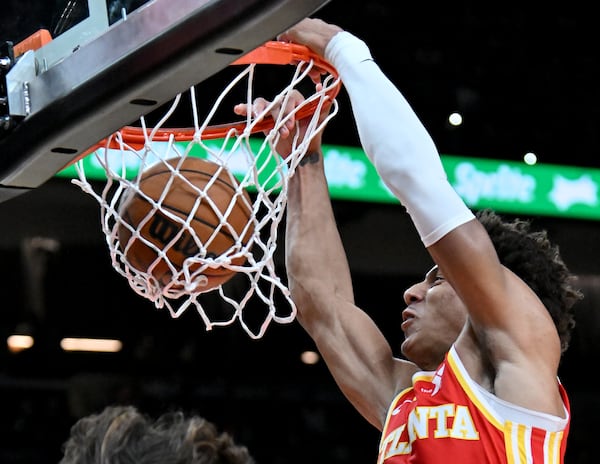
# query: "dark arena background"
525 78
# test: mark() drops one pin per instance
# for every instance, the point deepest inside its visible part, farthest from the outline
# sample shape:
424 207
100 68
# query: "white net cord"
259 170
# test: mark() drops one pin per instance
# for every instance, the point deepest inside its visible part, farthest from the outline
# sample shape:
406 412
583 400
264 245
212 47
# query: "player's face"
432 320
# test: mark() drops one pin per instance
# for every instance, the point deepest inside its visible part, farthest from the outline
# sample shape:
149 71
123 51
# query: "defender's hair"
121 435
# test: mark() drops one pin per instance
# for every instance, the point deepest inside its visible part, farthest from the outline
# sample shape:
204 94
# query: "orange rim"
270 53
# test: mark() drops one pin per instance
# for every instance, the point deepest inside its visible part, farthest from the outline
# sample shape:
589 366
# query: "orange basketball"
180 200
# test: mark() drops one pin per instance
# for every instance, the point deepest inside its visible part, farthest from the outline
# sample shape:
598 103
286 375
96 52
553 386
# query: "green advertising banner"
505 186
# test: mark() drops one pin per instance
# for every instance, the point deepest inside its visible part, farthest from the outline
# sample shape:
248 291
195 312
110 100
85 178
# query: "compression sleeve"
396 141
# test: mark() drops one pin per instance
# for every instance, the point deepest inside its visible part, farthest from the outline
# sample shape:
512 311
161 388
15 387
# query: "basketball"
174 237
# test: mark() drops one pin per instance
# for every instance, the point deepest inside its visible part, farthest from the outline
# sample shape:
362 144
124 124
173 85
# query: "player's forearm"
315 259
396 141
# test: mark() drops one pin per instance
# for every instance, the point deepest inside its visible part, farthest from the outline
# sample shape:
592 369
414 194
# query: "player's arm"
356 352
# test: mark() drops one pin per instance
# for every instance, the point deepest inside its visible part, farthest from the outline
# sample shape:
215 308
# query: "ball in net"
186 217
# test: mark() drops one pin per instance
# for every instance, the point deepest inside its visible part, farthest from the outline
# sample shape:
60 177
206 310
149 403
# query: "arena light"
17 343
310 357
101 345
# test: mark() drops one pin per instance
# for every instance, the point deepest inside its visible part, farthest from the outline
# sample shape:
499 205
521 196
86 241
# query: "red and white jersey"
445 417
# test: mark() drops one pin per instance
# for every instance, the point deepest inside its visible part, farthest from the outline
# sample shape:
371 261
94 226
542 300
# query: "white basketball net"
259 170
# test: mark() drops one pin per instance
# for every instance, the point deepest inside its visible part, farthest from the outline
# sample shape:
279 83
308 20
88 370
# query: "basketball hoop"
239 147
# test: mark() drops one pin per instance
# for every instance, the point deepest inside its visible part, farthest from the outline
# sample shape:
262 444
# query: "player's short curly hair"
531 256
122 435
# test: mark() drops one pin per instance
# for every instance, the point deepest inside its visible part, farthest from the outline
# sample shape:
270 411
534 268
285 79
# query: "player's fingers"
277 110
241 109
257 107
295 100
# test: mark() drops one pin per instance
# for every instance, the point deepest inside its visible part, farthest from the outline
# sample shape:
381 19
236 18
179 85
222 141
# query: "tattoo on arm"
312 158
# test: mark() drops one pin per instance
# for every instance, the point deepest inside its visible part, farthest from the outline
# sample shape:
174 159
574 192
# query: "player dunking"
483 332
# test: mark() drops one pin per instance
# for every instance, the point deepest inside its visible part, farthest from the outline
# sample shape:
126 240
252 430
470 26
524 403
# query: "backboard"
101 74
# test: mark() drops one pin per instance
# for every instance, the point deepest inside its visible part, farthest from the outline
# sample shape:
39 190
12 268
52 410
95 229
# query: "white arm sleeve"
396 142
